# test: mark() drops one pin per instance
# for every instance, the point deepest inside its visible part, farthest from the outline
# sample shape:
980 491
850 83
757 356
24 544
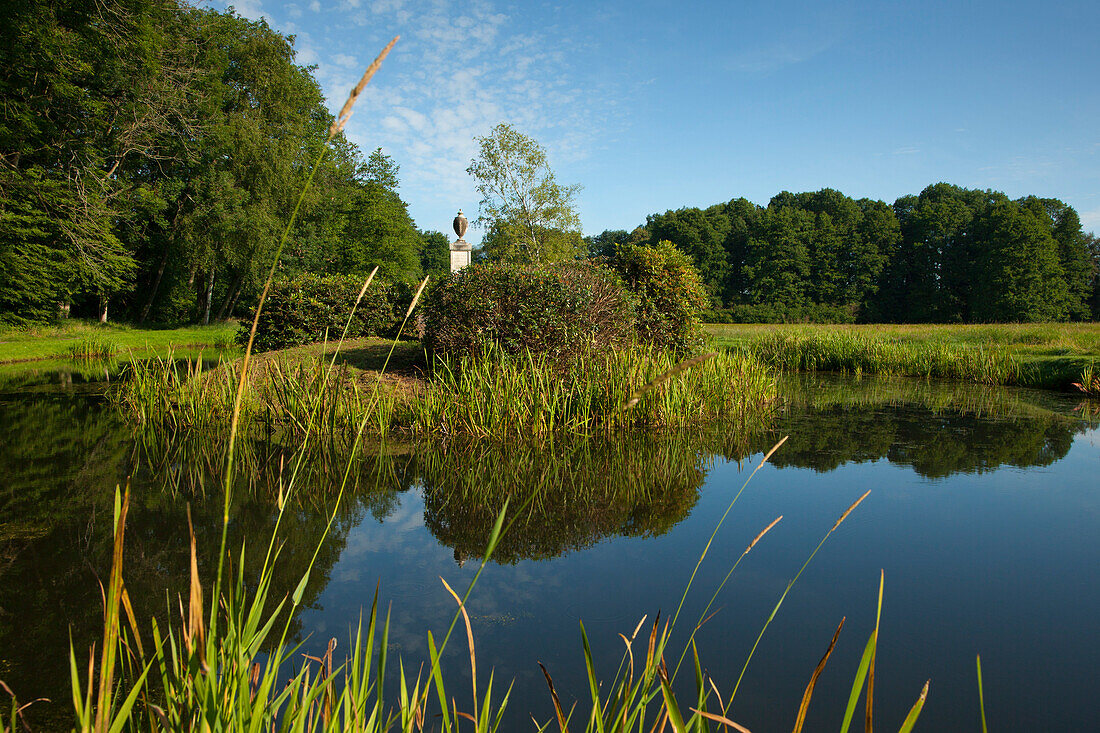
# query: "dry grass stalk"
801 719
763 532
662 378
345 111
849 509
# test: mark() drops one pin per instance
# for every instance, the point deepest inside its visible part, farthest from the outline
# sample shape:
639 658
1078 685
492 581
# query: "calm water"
984 515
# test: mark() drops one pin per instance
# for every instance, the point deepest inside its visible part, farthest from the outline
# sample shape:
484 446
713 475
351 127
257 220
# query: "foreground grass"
1043 355
76 339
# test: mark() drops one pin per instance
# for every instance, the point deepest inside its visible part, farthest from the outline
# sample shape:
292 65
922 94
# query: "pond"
983 515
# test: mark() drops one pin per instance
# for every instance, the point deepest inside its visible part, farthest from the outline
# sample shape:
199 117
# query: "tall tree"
777 267
529 215
1019 275
89 89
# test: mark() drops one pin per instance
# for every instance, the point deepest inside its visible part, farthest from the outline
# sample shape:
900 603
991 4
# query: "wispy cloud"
461 67
1090 220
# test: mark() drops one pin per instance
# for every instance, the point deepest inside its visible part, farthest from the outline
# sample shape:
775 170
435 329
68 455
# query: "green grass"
497 395
59 341
1044 355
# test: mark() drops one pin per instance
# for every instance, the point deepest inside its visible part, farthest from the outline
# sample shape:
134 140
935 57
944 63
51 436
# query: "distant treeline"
150 154
947 255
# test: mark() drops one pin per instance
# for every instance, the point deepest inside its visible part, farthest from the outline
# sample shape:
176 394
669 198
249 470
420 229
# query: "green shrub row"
303 309
646 294
564 311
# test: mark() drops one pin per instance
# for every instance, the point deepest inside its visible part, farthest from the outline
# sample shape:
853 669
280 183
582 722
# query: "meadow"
1041 355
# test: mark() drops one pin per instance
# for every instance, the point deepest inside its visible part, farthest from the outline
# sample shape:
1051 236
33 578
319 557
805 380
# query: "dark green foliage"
435 254
949 254
307 308
1019 277
151 151
1078 266
563 311
670 294
768 313
604 243
698 234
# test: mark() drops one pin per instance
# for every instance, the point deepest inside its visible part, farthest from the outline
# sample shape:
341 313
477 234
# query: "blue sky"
655 105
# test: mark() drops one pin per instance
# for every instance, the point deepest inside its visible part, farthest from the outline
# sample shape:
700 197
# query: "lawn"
56 341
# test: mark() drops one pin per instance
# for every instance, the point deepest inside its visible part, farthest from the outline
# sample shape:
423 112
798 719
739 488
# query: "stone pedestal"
460 254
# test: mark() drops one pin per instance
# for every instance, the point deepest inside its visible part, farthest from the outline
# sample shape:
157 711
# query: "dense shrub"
669 292
302 309
563 311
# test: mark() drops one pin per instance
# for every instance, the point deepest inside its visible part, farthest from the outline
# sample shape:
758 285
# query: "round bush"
565 310
670 294
302 309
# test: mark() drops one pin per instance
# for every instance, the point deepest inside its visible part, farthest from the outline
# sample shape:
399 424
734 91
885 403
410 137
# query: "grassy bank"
87 339
1048 356
304 391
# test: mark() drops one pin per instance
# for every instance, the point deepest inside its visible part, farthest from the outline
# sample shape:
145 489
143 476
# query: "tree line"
150 154
947 254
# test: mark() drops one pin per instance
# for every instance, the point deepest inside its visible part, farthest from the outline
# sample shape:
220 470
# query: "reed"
495 394
503 395
1089 381
855 353
92 346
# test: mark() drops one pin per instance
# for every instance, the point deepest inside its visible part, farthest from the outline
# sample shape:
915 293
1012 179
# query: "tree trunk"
233 304
156 286
230 298
103 308
209 297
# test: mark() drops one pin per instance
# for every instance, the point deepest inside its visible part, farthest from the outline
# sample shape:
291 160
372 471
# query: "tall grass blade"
874 653
805 705
981 692
914 712
723 720
857 683
660 379
563 722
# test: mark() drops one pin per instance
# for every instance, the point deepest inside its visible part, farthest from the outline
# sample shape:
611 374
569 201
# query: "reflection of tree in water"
583 491
61 460
936 429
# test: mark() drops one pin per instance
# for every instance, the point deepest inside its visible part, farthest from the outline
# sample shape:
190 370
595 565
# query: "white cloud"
315 6
1090 220
459 69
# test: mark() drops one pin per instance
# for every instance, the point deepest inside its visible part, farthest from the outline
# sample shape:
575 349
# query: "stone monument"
460 248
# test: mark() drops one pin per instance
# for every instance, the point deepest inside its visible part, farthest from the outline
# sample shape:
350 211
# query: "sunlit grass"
1034 355
57 341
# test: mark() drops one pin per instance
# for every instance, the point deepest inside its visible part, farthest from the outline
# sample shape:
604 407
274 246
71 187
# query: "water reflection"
62 456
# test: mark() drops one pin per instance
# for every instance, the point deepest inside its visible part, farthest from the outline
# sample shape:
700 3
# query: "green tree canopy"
528 215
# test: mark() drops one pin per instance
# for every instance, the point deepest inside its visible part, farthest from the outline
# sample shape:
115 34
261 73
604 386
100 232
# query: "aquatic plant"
492 394
1089 381
92 346
503 395
858 353
1048 356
